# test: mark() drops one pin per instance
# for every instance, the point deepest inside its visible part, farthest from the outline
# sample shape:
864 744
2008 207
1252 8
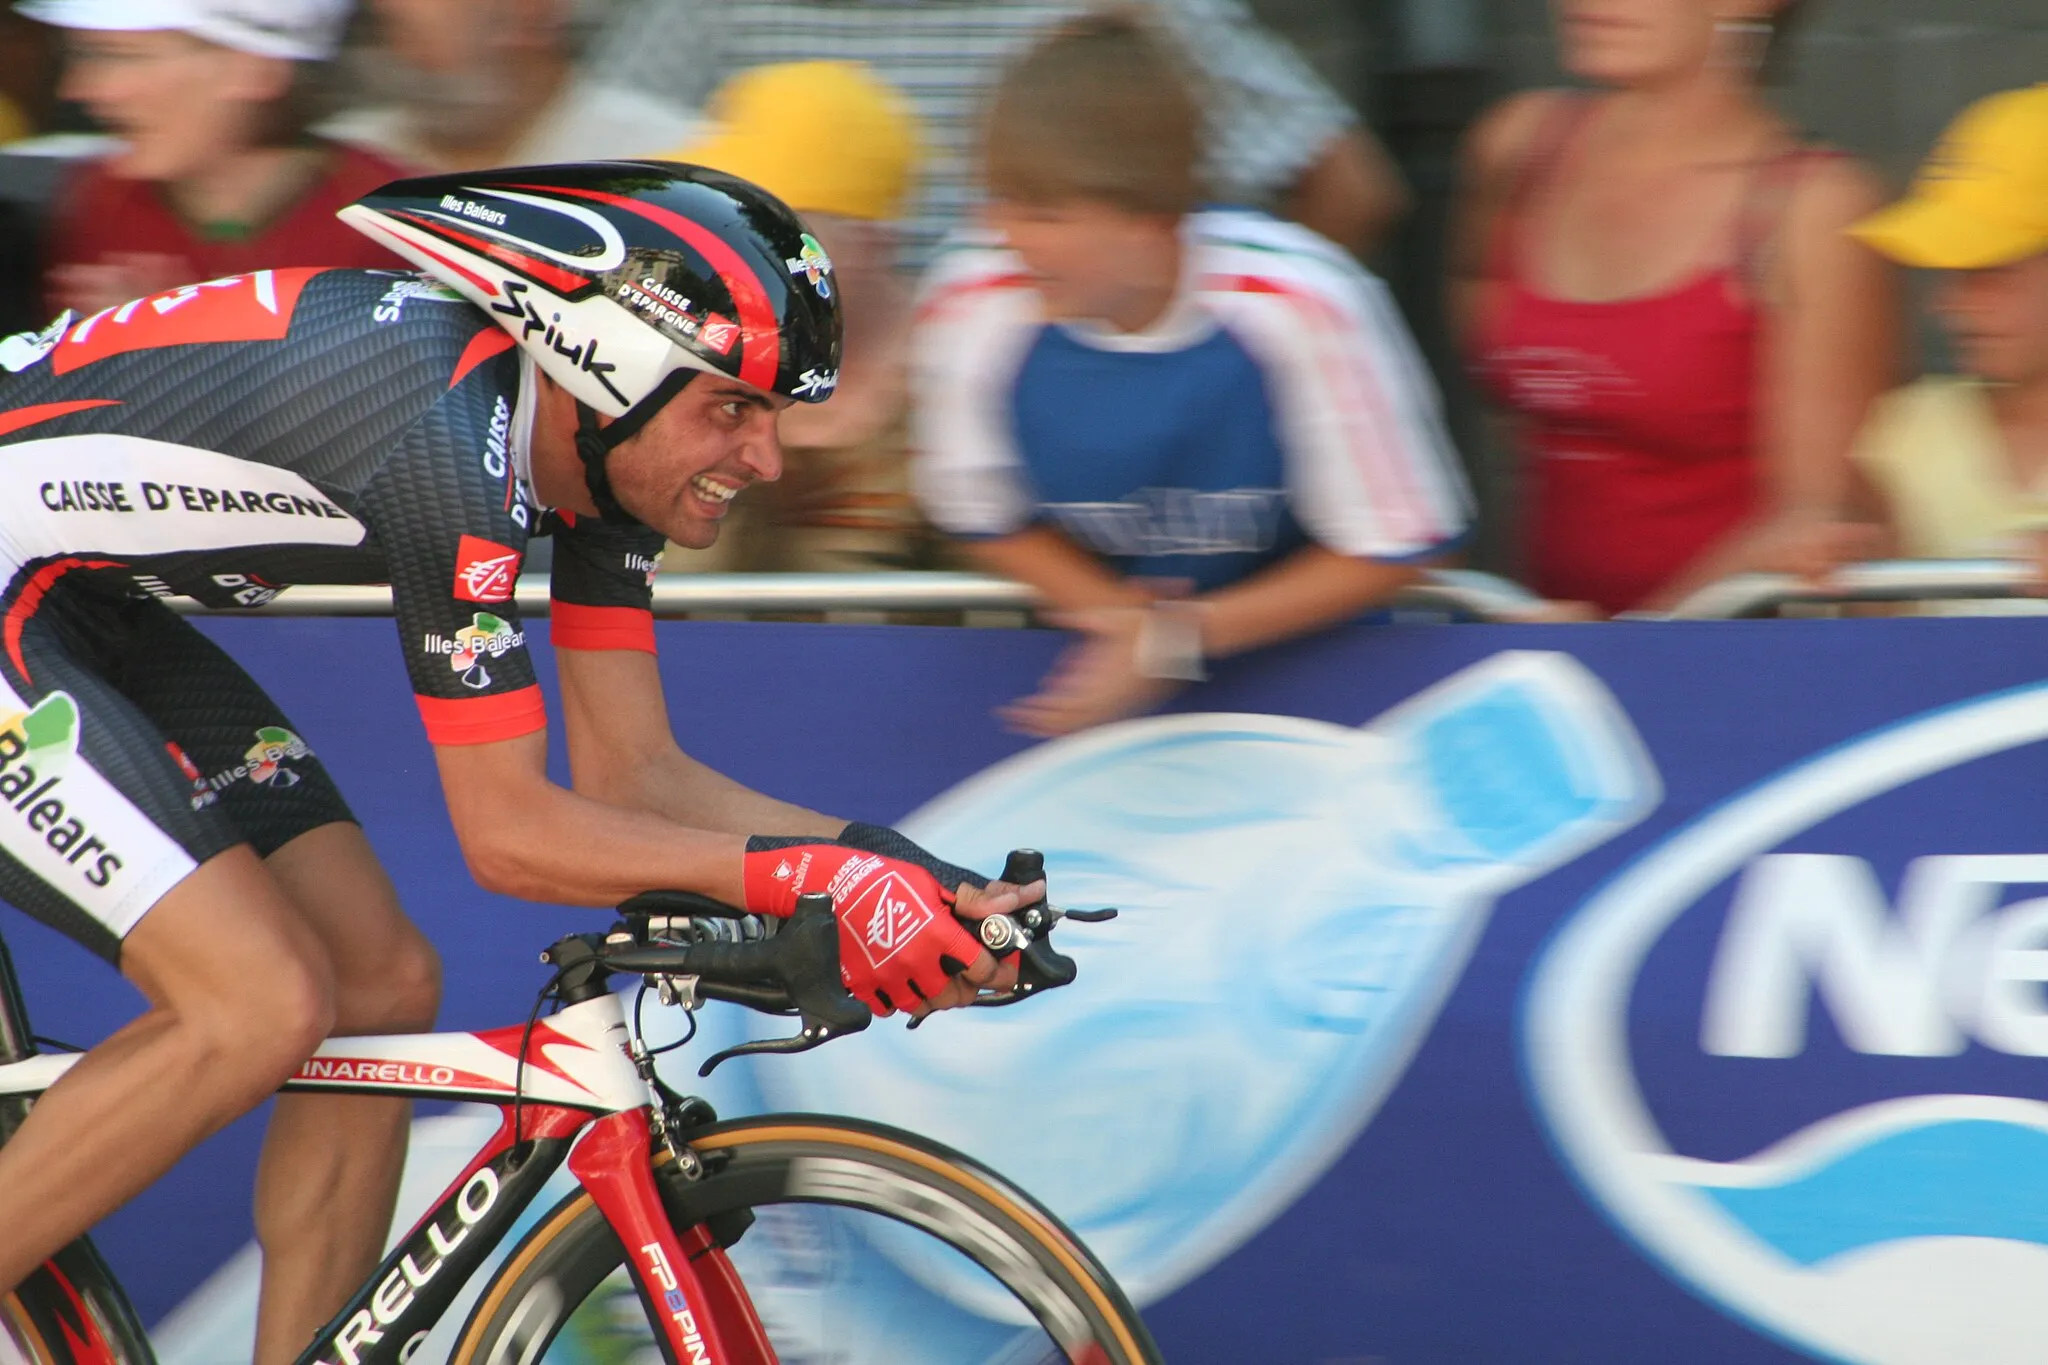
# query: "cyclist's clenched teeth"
712 491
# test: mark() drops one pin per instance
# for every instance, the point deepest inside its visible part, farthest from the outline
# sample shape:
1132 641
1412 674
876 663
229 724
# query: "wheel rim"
827 1194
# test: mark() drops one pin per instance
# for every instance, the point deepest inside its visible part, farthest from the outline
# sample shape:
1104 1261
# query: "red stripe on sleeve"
483 720
43 412
571 626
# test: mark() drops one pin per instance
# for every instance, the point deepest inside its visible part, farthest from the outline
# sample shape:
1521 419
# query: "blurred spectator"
843 503
1655 281
28 74
27 78
217 174
459 84
20 298
1193 433
1278 136
1963 459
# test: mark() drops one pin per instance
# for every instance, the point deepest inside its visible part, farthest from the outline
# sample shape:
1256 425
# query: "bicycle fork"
690 1288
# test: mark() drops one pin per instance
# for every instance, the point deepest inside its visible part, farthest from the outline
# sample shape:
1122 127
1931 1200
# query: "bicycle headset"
624 280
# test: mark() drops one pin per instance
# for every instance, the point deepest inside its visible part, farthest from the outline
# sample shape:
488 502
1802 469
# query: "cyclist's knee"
248 988
388 978
239 1041
400 993
301 1003
266 1029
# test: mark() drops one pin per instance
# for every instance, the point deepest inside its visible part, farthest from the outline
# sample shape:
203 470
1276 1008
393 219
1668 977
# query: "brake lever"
1029 929
812 1035
809 945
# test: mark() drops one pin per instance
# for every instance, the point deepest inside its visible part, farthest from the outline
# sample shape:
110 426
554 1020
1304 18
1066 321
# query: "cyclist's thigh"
97 820
252 762
239 750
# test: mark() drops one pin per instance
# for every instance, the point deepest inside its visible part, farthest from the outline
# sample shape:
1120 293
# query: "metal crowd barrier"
1888 580
1465 594
1457 592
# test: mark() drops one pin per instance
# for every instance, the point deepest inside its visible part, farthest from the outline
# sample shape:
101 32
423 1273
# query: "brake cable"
639 1031
519 1069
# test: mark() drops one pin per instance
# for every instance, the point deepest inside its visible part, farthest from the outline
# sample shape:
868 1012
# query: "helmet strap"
594 443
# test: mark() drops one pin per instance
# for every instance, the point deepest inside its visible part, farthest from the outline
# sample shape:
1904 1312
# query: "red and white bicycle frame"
578 1096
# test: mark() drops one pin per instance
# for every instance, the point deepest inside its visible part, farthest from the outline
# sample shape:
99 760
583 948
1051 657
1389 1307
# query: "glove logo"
889 914
783 871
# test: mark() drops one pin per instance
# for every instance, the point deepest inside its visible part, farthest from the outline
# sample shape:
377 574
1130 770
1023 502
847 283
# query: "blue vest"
1166 464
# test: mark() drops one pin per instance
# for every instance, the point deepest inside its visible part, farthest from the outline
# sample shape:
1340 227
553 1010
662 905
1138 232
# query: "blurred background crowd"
1215 321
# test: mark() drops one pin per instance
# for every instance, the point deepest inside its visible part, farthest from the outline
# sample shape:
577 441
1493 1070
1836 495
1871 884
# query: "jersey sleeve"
602 590
1371 471
975 321
453 528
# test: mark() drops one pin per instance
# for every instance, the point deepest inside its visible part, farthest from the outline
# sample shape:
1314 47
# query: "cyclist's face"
178 103
681 473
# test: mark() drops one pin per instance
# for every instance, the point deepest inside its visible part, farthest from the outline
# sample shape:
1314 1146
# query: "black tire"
71 1312
805 1159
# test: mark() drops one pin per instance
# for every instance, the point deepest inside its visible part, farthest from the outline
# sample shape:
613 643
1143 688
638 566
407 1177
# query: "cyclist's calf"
240 994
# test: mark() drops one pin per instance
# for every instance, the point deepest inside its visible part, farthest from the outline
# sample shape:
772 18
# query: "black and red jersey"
225 440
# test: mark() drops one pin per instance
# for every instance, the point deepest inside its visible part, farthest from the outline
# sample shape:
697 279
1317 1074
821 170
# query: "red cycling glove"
898 940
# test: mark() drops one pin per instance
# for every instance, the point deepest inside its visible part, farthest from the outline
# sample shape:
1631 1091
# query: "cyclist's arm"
524 836
642 814
622 752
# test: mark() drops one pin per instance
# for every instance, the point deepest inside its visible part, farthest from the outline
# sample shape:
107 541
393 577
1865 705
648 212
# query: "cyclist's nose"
763 451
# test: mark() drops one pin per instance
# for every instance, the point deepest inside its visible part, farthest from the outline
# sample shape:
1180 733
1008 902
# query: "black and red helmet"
617 275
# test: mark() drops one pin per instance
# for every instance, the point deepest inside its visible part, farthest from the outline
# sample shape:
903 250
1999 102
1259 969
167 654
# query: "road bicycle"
664 1188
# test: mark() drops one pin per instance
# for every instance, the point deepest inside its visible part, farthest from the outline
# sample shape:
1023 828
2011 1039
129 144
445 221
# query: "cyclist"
596 353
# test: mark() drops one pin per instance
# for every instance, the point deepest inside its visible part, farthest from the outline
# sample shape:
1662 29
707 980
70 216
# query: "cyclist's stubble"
680 473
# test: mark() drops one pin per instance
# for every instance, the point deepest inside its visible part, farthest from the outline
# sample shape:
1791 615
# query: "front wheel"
988 1278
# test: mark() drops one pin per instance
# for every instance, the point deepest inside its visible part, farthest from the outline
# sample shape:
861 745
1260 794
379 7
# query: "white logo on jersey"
127 495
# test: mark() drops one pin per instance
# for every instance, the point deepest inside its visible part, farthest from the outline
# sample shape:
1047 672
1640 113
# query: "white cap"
301 30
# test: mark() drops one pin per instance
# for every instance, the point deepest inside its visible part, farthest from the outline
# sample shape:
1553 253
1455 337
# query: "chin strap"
595 443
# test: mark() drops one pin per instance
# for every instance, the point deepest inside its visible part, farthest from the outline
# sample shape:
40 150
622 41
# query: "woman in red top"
217 174
1654 280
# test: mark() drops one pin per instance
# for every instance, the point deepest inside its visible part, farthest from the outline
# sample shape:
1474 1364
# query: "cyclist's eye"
735 409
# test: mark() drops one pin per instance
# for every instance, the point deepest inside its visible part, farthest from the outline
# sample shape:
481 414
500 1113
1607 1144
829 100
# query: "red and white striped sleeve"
976 318
1371 471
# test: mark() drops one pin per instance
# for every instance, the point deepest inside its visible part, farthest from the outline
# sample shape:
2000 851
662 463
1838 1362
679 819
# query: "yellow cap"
1982 198
14 124
823 137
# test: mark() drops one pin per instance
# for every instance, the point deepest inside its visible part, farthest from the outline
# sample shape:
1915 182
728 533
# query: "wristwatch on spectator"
1170 641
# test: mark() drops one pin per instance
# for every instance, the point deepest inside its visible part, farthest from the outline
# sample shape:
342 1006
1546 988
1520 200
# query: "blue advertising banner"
1484 994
